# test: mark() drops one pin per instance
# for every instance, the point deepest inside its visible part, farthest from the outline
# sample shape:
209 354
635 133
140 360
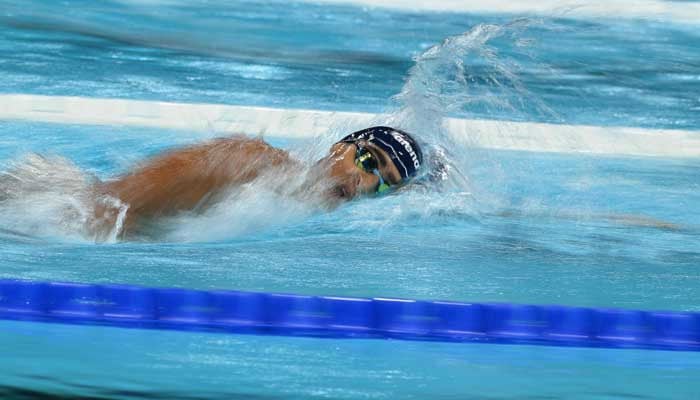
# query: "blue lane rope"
345 317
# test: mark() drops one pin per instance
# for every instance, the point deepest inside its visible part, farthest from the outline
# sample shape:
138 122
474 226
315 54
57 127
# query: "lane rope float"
346 317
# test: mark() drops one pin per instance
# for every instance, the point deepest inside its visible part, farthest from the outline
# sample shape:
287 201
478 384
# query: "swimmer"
369 162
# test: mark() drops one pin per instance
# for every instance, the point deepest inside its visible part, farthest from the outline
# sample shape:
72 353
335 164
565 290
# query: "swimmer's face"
349 180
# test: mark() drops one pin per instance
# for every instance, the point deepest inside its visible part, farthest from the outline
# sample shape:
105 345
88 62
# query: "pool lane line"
211 119
345 317
656 10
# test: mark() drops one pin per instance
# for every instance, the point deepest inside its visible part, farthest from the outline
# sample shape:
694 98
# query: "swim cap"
399 145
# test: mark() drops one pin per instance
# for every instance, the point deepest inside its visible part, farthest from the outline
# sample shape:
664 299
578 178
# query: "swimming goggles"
365 161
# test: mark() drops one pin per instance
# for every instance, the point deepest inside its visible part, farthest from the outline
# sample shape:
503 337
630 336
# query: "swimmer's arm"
185 179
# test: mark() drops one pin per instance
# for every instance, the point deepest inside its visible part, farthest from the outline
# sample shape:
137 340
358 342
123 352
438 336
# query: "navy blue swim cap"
399 145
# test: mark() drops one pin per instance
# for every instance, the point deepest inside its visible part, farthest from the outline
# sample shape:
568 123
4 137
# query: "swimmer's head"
401 148
373 161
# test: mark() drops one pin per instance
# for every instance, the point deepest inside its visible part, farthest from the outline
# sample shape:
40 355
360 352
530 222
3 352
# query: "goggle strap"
383 186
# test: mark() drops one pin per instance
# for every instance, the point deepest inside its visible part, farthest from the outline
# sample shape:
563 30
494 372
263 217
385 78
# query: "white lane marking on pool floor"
300 123
683 12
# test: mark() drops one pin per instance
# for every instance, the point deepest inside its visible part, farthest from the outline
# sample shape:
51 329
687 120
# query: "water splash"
50 197
56 194
479 68
463 72
272 200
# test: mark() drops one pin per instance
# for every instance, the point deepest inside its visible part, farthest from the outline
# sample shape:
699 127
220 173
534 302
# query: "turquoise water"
125 363
603 71
535 230
520 227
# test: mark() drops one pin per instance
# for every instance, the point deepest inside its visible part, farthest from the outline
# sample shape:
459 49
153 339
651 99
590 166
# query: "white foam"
684 12
299 123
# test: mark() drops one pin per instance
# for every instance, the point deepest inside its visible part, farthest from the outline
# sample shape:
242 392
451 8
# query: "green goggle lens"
383 188
366 162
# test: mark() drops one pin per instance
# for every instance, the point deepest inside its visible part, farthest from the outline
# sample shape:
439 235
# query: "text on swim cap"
414 157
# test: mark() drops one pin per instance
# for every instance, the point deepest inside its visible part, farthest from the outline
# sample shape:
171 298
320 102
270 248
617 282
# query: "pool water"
536 228
602 71
522 227
541 234
124 363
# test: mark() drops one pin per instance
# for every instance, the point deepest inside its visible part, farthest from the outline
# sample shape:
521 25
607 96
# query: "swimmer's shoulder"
242 141
255 150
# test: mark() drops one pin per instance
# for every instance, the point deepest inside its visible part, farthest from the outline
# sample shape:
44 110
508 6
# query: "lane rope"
345 317
669 11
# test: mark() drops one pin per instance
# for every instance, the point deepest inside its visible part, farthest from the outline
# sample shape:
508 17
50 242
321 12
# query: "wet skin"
195 177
